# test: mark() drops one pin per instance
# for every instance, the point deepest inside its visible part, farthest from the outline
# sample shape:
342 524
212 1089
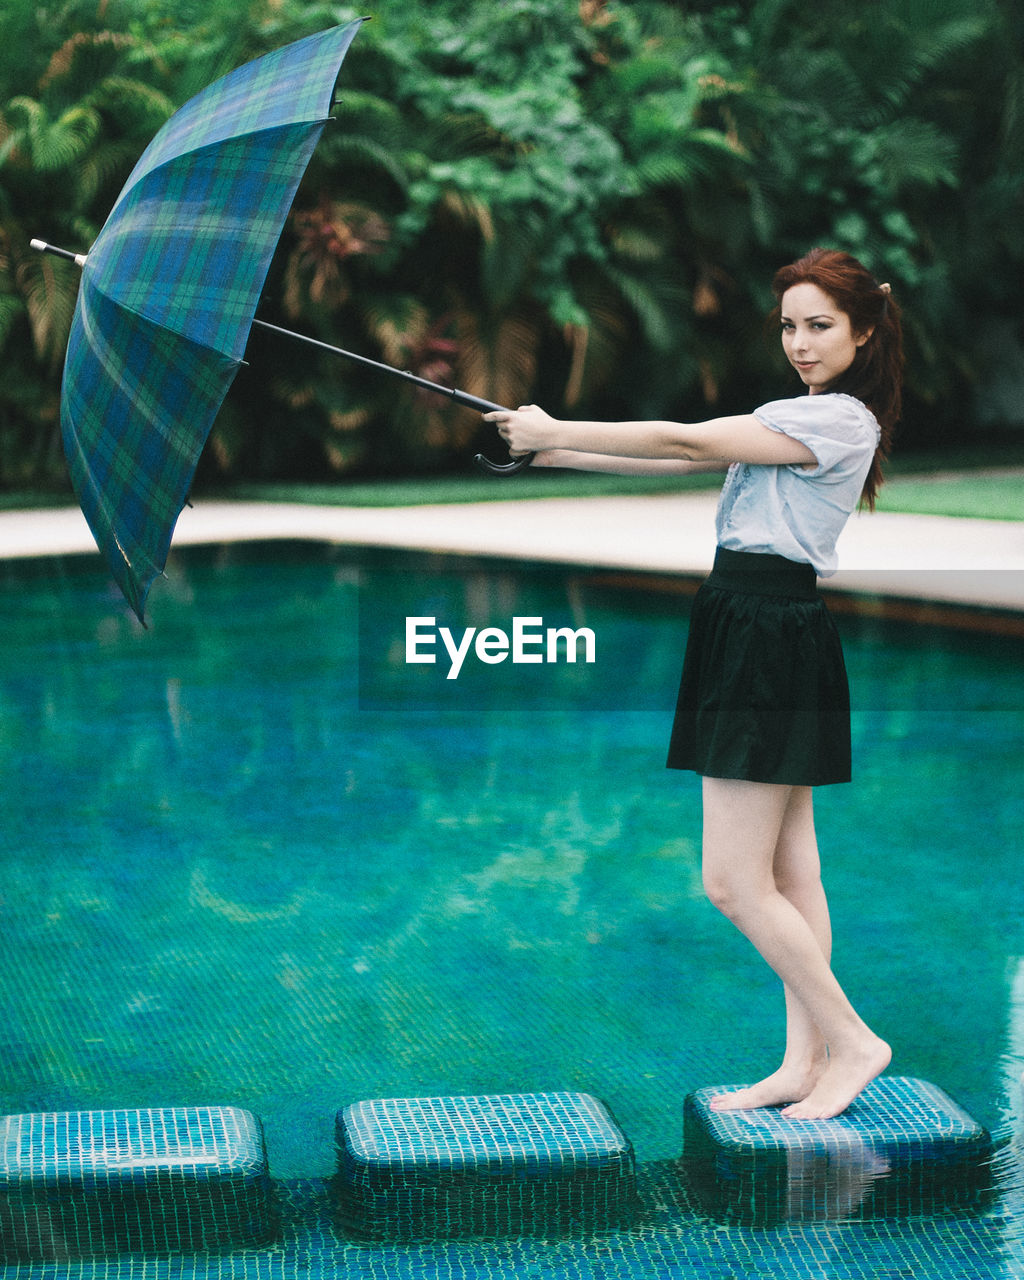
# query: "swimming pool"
254 856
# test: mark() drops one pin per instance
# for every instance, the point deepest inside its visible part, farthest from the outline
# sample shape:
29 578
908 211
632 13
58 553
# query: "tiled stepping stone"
495 1165
82 1184
904 1147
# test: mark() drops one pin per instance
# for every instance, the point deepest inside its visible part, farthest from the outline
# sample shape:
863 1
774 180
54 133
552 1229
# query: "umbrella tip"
42 247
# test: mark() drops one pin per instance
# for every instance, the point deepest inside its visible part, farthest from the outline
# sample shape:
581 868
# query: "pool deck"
978 563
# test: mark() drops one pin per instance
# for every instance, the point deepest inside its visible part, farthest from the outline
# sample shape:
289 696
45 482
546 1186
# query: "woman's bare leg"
797 873
796 870
747 826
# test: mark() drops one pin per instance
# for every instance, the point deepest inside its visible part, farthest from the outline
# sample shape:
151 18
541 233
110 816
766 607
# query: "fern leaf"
49 290
914 152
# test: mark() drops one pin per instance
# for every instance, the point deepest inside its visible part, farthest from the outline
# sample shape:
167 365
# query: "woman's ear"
861 338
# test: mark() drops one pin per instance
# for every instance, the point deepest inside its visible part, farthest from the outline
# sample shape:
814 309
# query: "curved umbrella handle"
506 468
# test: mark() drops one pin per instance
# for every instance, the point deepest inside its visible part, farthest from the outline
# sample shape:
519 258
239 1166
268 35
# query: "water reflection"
820 1186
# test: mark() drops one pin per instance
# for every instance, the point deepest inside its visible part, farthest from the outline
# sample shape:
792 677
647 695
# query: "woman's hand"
527 429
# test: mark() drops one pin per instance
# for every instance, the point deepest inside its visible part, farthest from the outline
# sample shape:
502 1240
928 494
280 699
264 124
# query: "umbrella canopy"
169 290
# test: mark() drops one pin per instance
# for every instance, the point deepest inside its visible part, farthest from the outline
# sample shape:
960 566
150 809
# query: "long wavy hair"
876 375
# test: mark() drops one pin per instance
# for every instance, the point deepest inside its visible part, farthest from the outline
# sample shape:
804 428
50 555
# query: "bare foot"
847 1075
788 1084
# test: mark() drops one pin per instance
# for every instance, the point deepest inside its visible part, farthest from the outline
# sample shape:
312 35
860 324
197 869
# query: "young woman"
763 712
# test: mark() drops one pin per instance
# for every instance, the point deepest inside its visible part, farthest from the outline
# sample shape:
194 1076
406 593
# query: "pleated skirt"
764 694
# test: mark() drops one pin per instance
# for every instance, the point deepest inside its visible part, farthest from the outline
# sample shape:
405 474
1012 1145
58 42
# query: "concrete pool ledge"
935 558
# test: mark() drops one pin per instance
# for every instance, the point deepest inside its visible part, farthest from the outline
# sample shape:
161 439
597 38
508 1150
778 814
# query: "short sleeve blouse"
799 511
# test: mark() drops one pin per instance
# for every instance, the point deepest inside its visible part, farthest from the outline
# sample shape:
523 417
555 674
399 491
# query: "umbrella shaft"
460 397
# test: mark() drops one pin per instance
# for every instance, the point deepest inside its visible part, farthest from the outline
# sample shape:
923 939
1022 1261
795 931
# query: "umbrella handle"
503 469
485 464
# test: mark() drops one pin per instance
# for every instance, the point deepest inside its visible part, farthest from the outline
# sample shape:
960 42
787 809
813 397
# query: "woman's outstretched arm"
575 460
740 438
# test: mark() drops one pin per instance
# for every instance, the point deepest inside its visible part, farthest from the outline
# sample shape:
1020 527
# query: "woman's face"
816 336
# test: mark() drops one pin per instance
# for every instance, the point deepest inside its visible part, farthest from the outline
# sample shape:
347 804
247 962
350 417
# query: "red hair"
876 375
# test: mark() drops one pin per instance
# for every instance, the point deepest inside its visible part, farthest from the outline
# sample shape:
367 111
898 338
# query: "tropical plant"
859 123
523 162
576 201
65 139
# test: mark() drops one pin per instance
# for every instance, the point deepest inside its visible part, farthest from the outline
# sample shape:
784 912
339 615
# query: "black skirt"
764 694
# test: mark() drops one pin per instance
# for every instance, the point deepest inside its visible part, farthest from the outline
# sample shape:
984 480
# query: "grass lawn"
987 484
924 486
985 495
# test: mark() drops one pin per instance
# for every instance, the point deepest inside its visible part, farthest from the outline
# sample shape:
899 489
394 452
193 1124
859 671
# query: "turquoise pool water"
253 856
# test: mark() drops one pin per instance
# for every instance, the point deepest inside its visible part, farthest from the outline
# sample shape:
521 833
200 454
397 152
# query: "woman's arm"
740 438
608 463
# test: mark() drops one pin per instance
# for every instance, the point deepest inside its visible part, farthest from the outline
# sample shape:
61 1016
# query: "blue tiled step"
904 1147
492 1165
82 1184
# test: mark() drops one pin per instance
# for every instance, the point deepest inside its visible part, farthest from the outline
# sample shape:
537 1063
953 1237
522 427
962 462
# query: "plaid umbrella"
169 290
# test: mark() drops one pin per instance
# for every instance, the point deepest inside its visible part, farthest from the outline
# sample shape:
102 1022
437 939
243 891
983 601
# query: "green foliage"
89 98
575 201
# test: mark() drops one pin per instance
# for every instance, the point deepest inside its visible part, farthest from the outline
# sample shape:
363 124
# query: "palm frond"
365 112
914 153
137 106
363 152
396 322
654 313
47 144
638 243
86 58
49 289
497 354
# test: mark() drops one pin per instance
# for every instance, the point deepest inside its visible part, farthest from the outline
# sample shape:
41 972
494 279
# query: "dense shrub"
574 201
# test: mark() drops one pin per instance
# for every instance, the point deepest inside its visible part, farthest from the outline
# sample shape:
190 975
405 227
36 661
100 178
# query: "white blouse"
799 511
